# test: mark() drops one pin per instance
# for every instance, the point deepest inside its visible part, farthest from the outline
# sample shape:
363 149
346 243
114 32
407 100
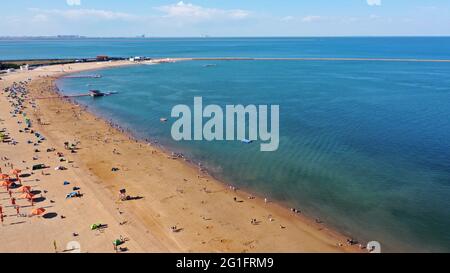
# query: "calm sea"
364 146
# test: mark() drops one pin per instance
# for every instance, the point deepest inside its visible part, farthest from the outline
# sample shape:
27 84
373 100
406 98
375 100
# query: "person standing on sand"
18 210
10 193
54 245
1 217
13 201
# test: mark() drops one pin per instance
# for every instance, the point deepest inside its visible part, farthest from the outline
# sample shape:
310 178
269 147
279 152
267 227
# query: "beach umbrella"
16 171
25 189
6 183
27 196
38 211
4 176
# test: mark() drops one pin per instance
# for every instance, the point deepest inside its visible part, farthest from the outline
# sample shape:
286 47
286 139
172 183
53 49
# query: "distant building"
68 36
136 59
102 58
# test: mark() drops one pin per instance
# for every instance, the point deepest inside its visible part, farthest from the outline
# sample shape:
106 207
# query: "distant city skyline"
225 18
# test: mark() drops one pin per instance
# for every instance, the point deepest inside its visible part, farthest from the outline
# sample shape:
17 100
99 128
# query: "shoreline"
309 236
155 60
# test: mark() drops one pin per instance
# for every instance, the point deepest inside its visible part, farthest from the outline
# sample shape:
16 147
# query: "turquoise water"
376 47
364 146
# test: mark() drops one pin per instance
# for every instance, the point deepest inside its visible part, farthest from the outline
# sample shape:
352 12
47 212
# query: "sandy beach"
206 215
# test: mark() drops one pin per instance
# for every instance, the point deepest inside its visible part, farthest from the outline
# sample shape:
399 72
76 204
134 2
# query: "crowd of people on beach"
12 181
16 183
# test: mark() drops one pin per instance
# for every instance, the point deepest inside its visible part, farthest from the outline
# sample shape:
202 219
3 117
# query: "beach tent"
25 189
71 195
117 242
95 226
27 196
38 211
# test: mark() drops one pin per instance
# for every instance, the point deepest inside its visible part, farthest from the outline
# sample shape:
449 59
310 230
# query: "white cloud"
189 11
95 13
311 18
74 14
287 18
73 2
374 2
38 18
175 14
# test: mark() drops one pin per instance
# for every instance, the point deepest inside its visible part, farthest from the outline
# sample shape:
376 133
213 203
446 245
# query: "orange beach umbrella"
6 183
4 176
27 196
38 211
16 171
25 189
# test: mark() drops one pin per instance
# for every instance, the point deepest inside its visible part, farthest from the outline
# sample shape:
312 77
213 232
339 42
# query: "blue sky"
225 17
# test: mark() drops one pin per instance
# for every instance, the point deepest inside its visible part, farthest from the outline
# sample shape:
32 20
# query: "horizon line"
62 36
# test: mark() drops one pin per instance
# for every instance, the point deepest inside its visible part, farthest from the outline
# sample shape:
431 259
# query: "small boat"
96 93
210 65
163 119
247 141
